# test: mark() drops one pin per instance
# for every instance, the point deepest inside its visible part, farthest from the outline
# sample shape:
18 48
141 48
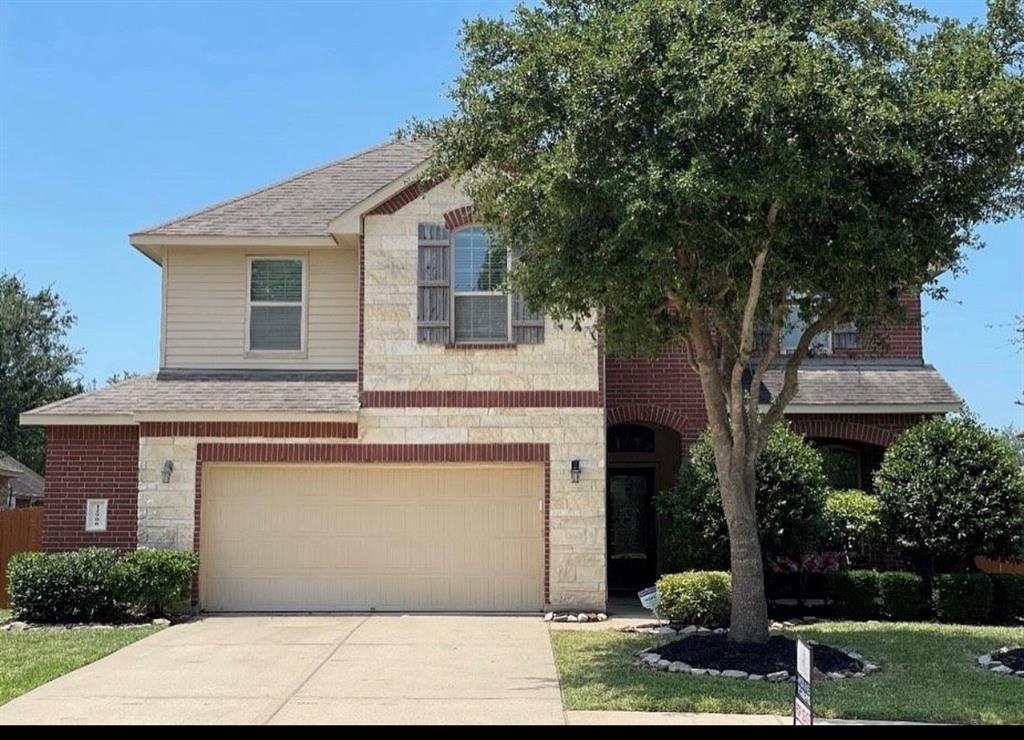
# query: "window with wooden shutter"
527 325
434 277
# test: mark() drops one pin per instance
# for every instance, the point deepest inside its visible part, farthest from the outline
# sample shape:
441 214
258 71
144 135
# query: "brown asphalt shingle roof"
303 205
858 385
26 482
147 393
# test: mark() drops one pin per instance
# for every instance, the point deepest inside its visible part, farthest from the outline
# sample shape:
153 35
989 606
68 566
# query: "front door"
631 549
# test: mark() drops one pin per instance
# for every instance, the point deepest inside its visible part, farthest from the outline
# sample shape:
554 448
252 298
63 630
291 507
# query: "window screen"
481 308
275 305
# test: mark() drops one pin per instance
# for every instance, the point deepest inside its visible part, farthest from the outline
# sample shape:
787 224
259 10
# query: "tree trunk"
749 617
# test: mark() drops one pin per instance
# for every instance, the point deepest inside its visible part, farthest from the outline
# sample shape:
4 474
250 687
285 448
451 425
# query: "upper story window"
480 306
840 337
276 311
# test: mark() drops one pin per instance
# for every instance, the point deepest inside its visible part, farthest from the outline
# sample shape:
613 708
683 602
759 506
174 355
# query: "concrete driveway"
314 669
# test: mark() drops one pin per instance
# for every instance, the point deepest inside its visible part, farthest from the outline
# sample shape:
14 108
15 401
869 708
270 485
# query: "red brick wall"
873 429
897 341
293 429
85 462
664 391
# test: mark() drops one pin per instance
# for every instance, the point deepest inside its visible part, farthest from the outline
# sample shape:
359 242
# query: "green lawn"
929 673
29 659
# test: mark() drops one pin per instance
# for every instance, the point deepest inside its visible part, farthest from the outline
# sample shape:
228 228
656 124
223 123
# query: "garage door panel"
372 537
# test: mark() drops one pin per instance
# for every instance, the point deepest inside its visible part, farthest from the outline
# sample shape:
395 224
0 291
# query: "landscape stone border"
991 662
14 625
650 658
575 617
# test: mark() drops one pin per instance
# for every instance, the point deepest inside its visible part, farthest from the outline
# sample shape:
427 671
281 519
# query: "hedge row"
95 585
969 598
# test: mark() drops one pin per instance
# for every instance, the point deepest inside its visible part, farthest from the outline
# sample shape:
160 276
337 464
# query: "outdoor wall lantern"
574 470
166 470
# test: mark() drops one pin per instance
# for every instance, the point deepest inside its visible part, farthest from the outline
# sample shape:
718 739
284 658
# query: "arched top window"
630 438
480 306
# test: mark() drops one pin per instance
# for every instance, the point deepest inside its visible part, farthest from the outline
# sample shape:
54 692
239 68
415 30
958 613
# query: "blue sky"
116 116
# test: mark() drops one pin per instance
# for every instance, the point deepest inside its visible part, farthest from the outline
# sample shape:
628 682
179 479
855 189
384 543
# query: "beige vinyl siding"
205 309
362 537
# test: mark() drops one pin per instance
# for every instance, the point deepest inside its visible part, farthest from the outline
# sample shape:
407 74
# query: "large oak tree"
698 172
37 366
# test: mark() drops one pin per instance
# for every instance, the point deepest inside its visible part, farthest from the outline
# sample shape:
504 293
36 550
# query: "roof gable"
305 204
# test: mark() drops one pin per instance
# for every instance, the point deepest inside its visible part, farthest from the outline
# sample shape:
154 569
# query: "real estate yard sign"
803 712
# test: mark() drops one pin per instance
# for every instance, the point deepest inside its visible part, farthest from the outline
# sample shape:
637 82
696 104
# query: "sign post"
803 706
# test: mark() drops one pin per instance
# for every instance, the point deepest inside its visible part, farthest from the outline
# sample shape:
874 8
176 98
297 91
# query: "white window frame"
454 292
302 304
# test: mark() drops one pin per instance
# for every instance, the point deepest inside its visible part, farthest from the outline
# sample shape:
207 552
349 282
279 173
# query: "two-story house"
349 414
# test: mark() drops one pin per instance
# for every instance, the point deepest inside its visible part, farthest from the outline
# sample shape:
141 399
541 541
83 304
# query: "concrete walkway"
314 669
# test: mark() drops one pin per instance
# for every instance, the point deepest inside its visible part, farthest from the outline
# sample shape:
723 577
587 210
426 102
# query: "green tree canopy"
693 172
36 364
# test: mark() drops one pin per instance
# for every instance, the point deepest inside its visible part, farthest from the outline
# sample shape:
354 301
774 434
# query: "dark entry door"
631 549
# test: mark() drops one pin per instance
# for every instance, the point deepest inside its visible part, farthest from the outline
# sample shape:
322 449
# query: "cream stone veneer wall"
567 360
576 513
205 304
393 360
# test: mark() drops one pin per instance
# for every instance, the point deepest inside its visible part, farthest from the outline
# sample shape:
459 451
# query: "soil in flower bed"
1013 659
778 654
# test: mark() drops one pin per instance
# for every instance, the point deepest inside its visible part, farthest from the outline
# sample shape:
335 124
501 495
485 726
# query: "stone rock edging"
991 662
16 626
651 659
575 617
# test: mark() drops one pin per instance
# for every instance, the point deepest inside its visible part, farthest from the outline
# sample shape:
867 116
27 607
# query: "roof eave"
939 407
30 419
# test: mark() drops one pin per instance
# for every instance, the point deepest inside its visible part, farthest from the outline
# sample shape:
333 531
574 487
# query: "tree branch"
771 350
789 375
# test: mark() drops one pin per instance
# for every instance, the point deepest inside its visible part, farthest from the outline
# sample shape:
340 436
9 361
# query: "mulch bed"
778 654
1013 659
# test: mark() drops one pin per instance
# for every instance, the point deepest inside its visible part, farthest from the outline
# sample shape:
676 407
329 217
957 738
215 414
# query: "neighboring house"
20 486
349 414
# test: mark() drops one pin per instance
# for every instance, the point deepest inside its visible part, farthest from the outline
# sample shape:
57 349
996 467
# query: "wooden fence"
988 565
20 530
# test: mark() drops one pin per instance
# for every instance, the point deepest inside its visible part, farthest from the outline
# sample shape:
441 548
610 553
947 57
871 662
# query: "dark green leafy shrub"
852 521
790 495
1007 598
950 490
51 588
152 581
902 596
965 598
699 597
853 593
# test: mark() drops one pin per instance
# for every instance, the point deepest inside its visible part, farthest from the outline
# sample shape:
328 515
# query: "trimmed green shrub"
852 521
902 596
950 490
152 581
1007 598
700 597
51 588
962 597
790 495
853 593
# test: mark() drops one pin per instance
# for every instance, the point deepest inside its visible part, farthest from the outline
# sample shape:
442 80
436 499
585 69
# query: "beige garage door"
362 537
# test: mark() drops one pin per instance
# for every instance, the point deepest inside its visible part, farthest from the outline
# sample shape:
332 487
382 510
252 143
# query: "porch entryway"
642 460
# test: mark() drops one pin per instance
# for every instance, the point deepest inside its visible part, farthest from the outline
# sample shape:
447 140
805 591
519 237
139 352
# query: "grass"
30 659
929 674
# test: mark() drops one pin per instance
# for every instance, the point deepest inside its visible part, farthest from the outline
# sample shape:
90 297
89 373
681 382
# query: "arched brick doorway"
643 458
